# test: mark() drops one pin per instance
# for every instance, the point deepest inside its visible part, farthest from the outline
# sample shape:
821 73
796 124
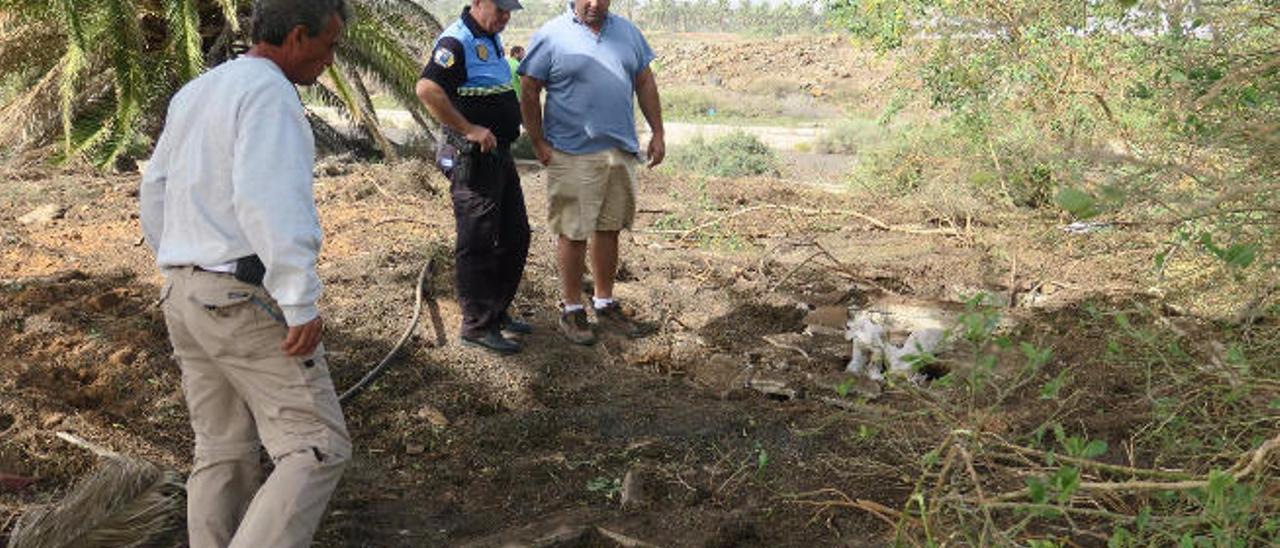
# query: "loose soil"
456 446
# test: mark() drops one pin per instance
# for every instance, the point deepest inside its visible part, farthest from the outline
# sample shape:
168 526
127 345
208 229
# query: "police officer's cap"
509 5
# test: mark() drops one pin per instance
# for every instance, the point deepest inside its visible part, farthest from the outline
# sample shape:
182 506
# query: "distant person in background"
514 56
593 64
467 87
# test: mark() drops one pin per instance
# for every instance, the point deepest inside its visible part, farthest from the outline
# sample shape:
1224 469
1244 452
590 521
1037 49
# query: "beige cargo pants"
244 393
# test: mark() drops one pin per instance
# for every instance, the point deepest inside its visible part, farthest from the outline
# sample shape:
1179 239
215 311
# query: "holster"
455 156
250 270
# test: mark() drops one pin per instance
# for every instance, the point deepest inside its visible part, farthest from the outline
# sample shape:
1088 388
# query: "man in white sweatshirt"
228 209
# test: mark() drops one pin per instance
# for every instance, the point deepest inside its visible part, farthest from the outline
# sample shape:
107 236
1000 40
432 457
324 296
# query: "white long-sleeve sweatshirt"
231 177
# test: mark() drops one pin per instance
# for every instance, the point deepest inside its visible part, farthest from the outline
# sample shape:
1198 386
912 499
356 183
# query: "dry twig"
877 223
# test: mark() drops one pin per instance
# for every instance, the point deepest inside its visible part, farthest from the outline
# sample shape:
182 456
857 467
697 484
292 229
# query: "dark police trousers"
493 239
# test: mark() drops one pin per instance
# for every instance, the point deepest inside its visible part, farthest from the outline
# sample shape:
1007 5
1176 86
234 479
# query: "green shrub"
904 160
757 105
736 154
686 103
849 137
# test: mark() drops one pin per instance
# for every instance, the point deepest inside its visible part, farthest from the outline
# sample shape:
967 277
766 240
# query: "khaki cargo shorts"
588 193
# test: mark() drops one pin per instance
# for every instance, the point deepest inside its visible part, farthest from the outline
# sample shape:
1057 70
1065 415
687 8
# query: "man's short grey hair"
273 19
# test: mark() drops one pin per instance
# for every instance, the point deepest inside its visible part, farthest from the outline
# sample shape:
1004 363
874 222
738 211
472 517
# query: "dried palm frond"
124 503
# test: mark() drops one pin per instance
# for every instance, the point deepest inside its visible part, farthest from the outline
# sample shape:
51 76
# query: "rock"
634 494
722 374
414 449
42 324
433 416
52 420
832 317
122 357
105 301
42 215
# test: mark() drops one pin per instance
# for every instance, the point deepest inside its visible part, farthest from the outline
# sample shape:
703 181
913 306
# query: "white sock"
573 308
601 303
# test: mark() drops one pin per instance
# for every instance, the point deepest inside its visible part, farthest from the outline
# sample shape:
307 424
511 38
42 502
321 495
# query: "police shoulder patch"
443 57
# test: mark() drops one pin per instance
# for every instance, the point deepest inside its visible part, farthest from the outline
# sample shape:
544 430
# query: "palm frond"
96 54
355 99
33 115
125 54
72 64
71 14
328 97
230 12
371 42
403 14
125 503
330 140
400 90
184 37
371 49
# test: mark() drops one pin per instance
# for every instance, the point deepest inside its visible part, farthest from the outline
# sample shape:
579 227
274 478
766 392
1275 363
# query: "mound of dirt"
819 66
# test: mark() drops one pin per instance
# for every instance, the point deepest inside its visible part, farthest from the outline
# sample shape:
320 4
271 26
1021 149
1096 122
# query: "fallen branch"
793 270
1117 469
888 515
877 223
1251 462
772 387
786 346
87 445
990 524
401 220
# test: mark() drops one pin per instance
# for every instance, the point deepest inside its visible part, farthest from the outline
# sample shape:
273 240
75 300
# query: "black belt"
249 270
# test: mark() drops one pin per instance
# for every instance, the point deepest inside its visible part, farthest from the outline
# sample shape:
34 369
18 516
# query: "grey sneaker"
575 327
612 317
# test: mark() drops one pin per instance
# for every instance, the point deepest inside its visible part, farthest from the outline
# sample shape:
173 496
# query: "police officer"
466 85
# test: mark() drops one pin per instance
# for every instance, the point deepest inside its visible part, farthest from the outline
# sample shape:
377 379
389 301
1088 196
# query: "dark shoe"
612 317
516 327
493 342
575 327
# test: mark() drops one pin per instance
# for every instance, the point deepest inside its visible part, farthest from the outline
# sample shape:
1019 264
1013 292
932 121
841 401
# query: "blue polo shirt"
590 82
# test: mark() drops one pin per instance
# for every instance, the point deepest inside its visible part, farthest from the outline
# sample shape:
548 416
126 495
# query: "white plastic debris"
1085 227
873 353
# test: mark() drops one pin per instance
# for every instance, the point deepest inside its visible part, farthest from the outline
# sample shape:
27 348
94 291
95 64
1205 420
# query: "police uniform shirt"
468 63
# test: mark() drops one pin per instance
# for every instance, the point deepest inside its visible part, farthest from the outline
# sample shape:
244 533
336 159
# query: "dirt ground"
718 429
456 447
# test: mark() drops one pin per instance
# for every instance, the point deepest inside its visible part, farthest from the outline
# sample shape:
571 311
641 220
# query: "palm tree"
95 76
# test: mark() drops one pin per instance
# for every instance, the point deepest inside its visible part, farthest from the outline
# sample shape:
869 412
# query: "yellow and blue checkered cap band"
487 90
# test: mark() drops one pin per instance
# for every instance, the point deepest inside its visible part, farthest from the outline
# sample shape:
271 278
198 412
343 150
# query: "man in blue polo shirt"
593 65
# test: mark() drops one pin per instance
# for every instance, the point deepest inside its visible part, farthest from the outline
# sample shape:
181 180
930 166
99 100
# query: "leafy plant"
1135 109
737 154
97 76
609 487
762 460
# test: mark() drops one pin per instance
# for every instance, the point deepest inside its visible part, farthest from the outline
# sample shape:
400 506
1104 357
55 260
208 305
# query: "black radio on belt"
455 156
250 270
